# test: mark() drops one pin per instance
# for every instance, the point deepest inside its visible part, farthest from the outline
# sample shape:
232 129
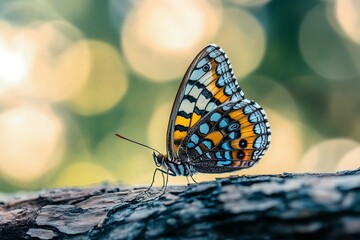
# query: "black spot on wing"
243 143
180 128
240 154
177 142
184 114
191 82
207 94
216 101
190 98
200 85
199 112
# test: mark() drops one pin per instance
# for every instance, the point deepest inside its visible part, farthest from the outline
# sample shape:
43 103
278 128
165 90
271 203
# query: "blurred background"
73 73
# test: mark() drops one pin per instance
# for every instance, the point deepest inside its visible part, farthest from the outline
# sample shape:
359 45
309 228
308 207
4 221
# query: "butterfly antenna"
141 144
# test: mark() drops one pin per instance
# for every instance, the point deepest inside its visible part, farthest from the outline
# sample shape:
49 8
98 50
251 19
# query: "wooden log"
290 206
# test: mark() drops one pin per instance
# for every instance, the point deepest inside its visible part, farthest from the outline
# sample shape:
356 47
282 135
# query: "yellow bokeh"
349 161
129 163
325 156
106 84
285 148
31 142
243 39
157 129
83 173
138 170
62 61
47 60
347 14
159 37
187 22
16 57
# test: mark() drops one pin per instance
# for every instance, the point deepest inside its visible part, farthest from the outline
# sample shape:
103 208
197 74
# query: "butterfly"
212 128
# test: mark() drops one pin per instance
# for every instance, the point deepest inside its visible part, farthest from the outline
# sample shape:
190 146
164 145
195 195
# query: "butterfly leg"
166 183
193 179
163 178
153 179
152 182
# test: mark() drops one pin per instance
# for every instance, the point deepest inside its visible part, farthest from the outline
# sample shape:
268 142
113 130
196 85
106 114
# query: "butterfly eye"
206 68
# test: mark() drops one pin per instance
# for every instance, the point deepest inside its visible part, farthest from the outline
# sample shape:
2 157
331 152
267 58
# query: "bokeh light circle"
106 84
47 60
324 156
243 39
347 14
61 63
31 143
82 173
350 160
130 163
157 128
326 52
159 37
16 56
285 148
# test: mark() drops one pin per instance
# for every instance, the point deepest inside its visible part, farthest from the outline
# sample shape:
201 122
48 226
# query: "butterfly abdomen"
178 168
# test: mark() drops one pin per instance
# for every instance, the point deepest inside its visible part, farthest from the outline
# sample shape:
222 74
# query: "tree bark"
290 206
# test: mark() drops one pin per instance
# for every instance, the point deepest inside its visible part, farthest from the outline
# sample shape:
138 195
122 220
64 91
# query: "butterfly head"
159 159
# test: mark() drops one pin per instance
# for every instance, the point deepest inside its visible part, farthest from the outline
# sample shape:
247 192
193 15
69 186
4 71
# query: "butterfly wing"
233 136
208 83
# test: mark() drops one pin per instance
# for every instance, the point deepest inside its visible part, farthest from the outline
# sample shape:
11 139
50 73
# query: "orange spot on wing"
244 120
236 115
247 129
215 137
178 137
212 86
235 163
221 96
180 120
248 154
235 144
194 119
248 135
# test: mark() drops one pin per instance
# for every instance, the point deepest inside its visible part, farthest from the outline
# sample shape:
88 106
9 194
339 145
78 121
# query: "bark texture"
289 206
